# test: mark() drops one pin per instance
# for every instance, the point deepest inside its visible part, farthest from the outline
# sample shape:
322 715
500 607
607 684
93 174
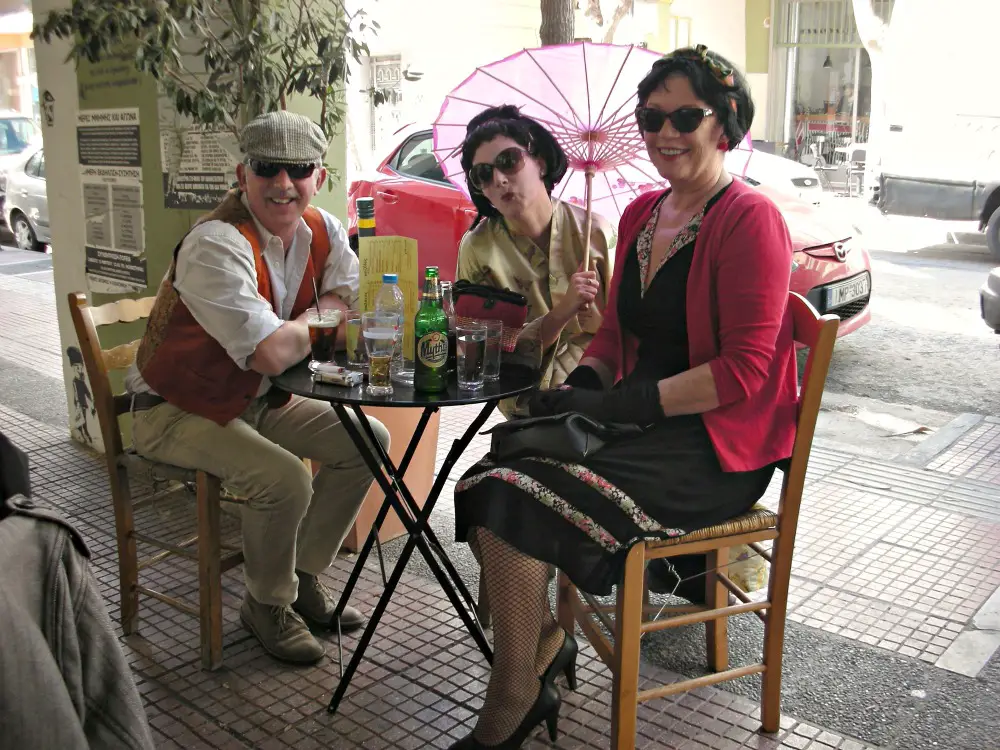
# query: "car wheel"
993 234
24 235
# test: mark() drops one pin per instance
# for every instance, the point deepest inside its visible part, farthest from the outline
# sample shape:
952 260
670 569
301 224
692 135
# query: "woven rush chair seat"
758 518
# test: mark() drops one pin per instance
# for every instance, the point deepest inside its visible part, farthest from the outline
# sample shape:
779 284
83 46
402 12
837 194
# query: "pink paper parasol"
584 94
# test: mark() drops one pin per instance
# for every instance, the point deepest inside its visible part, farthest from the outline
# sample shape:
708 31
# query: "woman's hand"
631 404
583 289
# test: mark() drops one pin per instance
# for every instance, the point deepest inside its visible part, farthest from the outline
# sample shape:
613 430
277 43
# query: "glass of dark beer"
323 327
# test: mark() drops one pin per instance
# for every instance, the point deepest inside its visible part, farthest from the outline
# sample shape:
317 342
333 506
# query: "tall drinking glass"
448 305
380 332
471 340
357 356
491 356
323 326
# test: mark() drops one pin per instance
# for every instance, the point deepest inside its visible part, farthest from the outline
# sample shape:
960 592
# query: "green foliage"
223 63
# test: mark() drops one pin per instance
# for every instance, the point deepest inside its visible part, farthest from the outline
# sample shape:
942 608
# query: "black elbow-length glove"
637 403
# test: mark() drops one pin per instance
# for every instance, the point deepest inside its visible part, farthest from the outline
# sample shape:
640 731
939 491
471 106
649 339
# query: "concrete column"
108 85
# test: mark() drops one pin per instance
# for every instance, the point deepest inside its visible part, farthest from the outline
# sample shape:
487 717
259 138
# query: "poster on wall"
198 162
111 177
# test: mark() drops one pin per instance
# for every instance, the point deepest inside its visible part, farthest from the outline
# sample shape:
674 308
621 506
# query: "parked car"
17 134
785 175
413 199
989 300
26 207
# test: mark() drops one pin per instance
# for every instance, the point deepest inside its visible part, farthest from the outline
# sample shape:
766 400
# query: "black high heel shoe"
545 708
563 661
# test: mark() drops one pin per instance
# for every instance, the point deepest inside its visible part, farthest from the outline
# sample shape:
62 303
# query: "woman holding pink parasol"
525 240
695 347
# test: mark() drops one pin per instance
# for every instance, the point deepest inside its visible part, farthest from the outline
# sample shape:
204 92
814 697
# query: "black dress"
665 482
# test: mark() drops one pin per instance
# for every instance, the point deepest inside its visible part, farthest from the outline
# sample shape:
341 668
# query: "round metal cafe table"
514 379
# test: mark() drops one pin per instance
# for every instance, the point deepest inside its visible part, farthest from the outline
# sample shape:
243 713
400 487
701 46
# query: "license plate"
848 291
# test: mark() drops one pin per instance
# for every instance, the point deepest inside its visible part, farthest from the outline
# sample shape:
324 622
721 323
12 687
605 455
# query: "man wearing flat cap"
230 314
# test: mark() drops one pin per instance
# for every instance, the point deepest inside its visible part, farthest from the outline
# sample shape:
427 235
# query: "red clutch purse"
481 302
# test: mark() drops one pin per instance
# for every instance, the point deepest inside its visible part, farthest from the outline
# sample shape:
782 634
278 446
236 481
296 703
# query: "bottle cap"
366 208
431 271
390 278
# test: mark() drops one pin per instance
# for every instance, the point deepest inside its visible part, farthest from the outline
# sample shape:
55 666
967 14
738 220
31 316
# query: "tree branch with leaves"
223 63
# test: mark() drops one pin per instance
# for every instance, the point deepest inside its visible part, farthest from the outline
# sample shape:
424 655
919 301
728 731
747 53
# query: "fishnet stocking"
517 586
552 636
551 639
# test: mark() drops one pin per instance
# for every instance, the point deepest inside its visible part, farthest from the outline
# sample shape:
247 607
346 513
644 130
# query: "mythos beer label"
432 349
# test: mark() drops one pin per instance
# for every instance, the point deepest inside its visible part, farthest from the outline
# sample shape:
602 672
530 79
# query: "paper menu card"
398 255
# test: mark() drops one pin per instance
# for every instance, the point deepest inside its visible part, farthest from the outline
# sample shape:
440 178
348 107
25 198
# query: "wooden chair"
125 464
632 609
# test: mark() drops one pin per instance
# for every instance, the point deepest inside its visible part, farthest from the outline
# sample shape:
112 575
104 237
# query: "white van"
941 144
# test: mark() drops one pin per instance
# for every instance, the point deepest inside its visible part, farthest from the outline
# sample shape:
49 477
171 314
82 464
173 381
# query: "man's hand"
632 404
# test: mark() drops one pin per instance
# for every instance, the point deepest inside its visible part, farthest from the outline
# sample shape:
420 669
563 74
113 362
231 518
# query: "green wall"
758 37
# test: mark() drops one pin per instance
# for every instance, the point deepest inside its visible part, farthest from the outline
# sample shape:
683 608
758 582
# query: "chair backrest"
819 334
100 362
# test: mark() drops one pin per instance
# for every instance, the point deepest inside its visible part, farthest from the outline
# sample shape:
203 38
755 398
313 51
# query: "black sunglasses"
684 120
269 169
510 161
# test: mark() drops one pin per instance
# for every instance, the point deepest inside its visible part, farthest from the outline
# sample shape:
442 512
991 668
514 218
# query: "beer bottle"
366 216
430 332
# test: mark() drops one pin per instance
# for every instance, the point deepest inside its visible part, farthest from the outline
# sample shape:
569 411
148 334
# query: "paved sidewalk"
895 611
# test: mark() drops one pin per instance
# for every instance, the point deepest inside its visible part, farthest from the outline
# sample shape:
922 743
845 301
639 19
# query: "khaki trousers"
291 521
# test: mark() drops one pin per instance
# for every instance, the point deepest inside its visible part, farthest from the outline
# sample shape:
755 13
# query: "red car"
413 199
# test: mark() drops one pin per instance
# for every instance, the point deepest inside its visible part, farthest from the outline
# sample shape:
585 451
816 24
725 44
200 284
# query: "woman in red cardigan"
695 346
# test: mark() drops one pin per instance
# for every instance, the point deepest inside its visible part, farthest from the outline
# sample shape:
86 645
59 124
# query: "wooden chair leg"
716 597
565 594
774 635
209 570
128 559
628 624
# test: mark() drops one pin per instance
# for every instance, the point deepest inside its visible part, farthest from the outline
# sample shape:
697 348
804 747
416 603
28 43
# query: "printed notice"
108 137
198 162
111 174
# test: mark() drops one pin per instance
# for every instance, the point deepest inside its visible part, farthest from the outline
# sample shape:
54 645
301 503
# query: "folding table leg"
372 539
417 529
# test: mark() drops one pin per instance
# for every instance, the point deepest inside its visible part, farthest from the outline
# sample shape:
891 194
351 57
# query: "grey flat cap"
283 137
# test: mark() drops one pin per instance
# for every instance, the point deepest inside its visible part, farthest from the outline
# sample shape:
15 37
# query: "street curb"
926 451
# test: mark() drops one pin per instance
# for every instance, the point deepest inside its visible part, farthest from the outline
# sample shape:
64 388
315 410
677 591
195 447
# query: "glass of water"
357 356
491 357
380 332
470 341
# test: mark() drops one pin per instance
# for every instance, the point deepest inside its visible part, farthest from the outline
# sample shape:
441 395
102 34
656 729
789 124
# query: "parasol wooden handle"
588 223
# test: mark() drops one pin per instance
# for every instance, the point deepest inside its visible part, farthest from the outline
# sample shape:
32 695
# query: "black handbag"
569 437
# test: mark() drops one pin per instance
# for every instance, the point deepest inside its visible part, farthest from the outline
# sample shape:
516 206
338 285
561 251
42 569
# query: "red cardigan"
737 321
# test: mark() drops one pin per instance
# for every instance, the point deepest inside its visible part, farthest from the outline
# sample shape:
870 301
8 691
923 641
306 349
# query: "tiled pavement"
420 687
896 558
975 455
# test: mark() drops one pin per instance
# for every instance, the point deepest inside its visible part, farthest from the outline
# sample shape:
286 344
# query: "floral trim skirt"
583 518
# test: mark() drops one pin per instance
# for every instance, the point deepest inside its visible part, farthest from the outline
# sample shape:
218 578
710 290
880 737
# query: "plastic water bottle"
389 301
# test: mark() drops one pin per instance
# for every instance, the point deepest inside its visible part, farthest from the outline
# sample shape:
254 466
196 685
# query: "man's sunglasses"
684 120
510 161
269 169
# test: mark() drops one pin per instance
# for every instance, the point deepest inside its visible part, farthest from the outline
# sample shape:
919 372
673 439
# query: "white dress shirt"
216 279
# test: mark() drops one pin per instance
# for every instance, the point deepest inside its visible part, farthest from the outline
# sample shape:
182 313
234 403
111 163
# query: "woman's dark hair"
715 81
507 120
